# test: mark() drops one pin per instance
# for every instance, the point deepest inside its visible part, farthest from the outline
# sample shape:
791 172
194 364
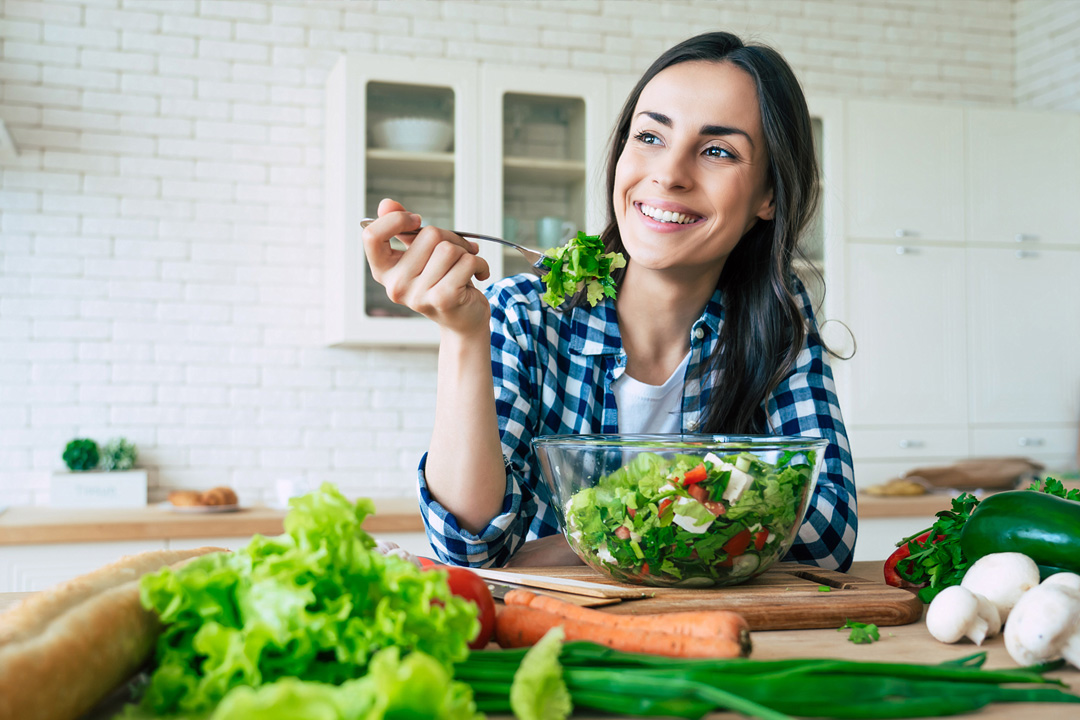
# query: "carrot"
521 626
704 624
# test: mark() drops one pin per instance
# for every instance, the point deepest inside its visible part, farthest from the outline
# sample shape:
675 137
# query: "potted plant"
99 476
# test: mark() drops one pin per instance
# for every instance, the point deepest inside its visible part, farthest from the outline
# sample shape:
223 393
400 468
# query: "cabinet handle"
906 444
1025 237
902 233
1025 254
904 250
1030 442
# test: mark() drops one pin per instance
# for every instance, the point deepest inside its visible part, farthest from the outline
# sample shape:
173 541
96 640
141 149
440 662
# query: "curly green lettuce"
539 691
316 603
580 264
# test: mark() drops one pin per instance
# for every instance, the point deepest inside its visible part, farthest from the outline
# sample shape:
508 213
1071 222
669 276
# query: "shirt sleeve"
526 512
805 403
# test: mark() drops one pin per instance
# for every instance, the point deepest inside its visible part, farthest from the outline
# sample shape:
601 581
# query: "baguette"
65 649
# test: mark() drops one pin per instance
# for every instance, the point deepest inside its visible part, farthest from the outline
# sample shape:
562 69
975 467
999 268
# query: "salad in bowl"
680 510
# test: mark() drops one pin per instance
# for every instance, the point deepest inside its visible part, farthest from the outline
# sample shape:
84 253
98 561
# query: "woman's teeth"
666 215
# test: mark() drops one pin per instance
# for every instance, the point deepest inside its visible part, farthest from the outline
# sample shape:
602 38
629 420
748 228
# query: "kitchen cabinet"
962 243
905 307
1023 177
904 171
526 145
544 141
438 182
1024 319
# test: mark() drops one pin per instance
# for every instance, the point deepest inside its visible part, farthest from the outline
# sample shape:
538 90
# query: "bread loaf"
66 648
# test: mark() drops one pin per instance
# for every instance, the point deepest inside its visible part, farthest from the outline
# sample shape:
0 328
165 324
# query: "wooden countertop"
878 506
903 643
41 525
37 525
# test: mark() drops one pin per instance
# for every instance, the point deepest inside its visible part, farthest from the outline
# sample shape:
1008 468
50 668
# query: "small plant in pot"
99 476
81 454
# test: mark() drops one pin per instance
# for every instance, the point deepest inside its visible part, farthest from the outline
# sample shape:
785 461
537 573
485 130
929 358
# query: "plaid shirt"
553 373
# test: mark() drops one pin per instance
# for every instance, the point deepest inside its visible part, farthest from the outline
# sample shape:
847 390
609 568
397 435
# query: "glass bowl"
680 510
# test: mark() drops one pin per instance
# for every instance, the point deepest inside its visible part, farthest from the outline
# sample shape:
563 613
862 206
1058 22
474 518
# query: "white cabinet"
905 307
433 179
904 171
542 156
525 145
1023 177
967 322
1024 311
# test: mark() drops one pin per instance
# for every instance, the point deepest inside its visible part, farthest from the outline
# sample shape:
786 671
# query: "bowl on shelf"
413 134
690 510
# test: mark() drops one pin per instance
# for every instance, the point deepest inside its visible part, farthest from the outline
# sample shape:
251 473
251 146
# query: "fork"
534 257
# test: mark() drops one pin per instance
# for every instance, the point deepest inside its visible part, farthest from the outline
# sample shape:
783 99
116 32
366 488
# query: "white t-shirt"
650 408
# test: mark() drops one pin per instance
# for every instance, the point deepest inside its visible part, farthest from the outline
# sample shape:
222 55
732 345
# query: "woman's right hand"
433 275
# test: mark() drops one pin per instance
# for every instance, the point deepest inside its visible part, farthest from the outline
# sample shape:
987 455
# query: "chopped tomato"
760 539
664 504
695 475
631 512
622 532
698 493
715 508
738 544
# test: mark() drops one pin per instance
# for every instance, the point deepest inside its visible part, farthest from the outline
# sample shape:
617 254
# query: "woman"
711 180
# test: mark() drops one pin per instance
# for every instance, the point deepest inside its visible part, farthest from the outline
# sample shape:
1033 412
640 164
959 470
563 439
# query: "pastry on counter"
214 497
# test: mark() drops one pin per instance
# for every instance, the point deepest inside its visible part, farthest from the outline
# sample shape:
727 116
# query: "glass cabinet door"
403 129
544 143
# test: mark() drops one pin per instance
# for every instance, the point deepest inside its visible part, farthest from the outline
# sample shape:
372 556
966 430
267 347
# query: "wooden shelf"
397 163
543 171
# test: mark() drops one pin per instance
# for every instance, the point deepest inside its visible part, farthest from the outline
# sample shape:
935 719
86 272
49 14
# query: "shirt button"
699 333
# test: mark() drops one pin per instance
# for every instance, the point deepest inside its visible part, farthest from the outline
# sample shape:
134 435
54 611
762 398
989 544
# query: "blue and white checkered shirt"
553 373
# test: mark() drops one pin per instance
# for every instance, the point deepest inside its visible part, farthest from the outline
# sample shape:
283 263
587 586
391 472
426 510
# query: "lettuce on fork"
317 603
580 264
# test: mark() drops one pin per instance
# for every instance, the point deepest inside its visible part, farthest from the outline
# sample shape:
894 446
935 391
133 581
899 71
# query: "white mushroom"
1002 578
1067 579
957 612
1045 625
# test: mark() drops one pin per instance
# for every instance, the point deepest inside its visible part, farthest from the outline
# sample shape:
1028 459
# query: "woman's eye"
646 137
718 152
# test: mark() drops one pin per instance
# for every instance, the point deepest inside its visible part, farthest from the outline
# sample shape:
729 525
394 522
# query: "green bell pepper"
1041 526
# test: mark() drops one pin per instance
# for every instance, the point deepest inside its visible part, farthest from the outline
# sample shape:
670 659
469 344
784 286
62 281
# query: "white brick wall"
1048 54
160 260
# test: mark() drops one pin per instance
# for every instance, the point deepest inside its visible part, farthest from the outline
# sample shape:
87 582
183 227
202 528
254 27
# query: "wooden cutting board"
788 596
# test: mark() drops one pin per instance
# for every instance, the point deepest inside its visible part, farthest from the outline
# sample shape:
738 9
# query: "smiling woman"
712 180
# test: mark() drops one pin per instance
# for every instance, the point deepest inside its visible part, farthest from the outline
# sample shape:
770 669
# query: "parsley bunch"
940 563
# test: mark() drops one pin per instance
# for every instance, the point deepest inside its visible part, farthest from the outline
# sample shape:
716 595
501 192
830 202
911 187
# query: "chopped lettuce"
538 691
417 686
665 521
316 603
580 264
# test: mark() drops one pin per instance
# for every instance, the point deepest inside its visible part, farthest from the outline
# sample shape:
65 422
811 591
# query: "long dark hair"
763 327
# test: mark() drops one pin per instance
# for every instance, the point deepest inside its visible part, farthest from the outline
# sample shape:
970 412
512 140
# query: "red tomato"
698 493
760 538
738 544
695 475
631 512
664 504
468 585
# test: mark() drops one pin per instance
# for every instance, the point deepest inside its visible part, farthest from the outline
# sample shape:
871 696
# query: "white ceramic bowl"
413 134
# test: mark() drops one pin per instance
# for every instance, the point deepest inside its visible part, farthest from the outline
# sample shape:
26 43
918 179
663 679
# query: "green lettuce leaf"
538 691
581 264
417 686
316 603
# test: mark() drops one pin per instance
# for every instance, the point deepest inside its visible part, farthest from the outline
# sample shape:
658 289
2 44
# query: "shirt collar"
595 331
